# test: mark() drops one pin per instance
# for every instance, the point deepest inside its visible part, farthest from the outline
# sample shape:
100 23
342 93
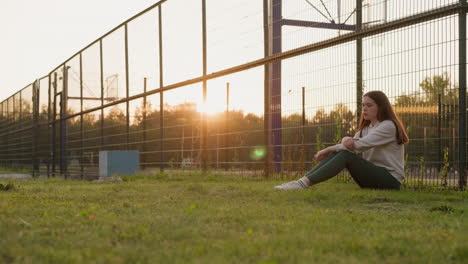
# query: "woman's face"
369 109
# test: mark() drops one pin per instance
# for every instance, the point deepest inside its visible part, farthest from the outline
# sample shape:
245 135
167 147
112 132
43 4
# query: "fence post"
35 169
462 95
439 131
127 128
266 90
145 108
63 124
19 156
161 95
275 119
81 120
101 61
226 136
49 127
303 142
204 128
359 81
54 125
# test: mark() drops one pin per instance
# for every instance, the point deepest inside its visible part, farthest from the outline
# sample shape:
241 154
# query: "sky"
37 36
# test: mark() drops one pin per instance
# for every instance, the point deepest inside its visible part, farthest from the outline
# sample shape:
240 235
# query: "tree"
438 84
408 100
431 87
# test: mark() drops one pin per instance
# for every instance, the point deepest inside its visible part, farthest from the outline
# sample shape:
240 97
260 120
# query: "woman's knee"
346 153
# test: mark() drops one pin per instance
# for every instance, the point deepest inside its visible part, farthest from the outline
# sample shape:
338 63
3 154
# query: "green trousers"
364 173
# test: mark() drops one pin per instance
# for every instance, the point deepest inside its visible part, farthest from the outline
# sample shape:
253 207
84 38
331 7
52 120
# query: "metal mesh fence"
248 88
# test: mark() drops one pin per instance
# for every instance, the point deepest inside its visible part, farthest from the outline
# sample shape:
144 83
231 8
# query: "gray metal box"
122 162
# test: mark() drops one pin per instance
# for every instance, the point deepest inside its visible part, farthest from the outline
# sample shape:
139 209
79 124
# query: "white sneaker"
293 185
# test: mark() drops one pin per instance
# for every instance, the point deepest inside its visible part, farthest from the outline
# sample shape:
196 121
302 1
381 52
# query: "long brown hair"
384 112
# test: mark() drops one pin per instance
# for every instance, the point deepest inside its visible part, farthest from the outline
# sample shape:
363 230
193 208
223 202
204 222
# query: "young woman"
380 137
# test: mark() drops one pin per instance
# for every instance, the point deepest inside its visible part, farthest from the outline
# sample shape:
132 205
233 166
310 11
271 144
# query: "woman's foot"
293 185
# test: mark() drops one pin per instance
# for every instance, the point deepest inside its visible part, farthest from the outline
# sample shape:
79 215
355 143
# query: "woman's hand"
343 140
348 142
322 154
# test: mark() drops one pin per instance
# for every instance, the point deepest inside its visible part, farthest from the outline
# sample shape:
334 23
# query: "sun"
211 108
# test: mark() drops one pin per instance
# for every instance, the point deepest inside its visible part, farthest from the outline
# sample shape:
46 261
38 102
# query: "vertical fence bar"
54 125
439 131
303 115
101 62
266 90
63 124
4 141
127 90
13 138
49 120
35 132
7 154
303 150
226 145
20 154
81 120
2 152
161 95
36 116
204 139
276 125
145 108
462 96
359 81
33 153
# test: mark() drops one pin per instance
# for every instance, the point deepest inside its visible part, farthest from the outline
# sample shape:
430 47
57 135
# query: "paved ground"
15 176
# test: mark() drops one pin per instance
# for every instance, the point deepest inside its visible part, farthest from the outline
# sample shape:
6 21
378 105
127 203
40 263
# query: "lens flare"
257 153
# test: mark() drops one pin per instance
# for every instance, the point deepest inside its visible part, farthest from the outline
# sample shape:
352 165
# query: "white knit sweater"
379 145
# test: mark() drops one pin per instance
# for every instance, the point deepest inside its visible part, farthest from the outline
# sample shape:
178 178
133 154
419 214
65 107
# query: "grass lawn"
221 219
15 171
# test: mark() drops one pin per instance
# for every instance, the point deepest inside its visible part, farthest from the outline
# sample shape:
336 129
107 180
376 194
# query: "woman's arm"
383 134
349 143
325 152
